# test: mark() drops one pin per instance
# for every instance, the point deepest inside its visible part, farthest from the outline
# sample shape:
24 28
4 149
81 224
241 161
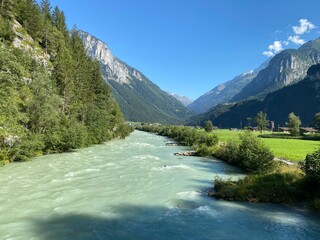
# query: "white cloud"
305 26
268 53
273 49
296 40
276 46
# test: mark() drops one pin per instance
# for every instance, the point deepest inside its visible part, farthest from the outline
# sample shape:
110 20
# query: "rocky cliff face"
114 68
286 68
139 98
225 92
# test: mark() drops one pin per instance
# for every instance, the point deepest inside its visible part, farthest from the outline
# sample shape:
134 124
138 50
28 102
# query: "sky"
190 46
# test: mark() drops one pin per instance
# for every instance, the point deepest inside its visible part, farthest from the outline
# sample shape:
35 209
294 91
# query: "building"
283 129
308 130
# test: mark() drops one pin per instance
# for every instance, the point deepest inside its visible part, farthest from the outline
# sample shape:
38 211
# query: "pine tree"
59 21
45 7
30 17
46 23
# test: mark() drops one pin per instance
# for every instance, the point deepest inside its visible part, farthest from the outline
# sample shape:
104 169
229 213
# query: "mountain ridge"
302 98
138 97
226 91
285 68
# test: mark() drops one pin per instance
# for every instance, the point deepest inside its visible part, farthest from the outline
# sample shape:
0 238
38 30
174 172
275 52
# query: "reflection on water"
134 189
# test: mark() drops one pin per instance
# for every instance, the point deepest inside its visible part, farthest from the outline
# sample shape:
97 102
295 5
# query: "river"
134 189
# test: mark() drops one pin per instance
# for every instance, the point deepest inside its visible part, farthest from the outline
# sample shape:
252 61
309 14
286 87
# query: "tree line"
52 95
262 123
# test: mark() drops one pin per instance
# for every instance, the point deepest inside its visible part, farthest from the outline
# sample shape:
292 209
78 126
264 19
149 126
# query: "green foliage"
253 155
208 126
229 152
250 154
29 15
261 121
293 124
54 107
138 101
287 184
274 187
203 142
312 164
316 120
6 32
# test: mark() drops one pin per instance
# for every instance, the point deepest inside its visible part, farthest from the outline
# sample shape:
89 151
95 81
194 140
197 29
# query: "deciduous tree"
261 121
208 126
293 124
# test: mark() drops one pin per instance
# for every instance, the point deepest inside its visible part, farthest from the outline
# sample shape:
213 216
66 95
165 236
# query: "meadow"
291 149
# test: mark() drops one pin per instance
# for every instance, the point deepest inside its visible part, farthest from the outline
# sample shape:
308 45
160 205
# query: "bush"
315 204
208 139
204 150
312 164
276 188
253 155
231 152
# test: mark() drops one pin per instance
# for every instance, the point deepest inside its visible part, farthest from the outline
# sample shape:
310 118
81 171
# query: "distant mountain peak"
183 99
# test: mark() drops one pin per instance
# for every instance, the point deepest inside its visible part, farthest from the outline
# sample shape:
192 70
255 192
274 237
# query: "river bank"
268 180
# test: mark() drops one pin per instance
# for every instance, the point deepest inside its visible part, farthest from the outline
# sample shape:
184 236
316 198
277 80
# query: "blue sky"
190 46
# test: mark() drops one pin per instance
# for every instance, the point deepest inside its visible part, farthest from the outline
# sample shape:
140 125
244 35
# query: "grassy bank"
286 185
291 149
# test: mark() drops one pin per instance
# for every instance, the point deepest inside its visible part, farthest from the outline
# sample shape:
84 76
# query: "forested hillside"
52 96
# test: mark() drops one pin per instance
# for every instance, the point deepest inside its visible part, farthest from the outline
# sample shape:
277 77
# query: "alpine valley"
139 99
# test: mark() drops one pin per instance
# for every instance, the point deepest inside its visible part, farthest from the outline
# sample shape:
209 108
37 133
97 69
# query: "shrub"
231 152
204 150
208 139
312 164
253 155
276 188
315 204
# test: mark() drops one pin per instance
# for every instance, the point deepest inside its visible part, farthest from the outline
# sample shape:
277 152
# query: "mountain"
285 68
183 99
225 92
138 98
302 98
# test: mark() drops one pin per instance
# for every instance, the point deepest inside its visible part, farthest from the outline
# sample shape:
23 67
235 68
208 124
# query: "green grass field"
292 149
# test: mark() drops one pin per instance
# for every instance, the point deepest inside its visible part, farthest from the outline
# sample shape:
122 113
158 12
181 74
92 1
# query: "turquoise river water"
135 189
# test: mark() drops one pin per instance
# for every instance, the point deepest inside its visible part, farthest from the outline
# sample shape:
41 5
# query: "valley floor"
290 149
